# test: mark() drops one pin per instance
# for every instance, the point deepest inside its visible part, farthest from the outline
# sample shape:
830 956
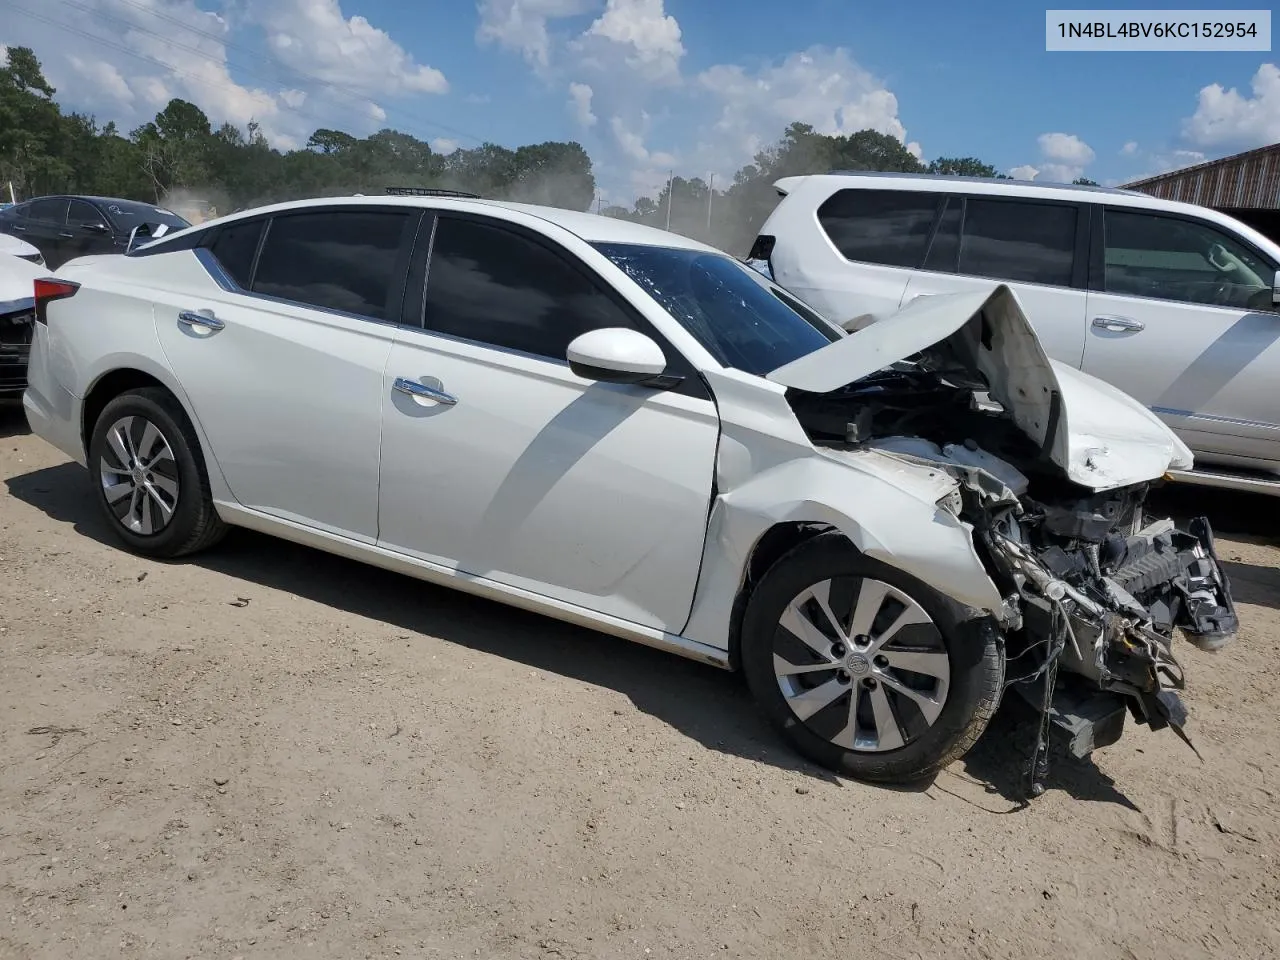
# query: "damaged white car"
628 430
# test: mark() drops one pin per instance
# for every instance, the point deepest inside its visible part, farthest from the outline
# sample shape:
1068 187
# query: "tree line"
181 154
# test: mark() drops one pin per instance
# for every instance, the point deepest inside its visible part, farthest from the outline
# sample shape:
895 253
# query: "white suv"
1175 304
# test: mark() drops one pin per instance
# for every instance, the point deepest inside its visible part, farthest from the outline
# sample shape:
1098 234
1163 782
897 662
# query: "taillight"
49 290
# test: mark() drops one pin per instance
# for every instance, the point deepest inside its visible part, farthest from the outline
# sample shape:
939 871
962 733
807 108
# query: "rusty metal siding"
1249 179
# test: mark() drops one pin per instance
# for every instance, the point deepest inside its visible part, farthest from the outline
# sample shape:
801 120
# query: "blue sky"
653 85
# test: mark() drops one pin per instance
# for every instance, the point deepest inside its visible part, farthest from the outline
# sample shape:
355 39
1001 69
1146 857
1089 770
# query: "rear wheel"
150 479
864 669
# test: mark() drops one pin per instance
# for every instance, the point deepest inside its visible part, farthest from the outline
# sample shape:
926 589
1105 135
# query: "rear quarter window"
888 227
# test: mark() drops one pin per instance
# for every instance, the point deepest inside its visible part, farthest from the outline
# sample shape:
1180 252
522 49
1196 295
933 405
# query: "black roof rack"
429 192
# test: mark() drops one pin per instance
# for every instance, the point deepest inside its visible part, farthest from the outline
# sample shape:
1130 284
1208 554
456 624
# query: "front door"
519 471
286 380
1183 321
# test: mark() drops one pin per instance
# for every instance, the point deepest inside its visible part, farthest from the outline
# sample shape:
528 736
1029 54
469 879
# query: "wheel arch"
133 373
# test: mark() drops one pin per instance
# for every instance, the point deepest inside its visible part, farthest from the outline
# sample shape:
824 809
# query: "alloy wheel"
139 475
861 664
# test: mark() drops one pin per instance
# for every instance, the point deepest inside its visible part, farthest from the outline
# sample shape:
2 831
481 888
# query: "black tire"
975 654
194 524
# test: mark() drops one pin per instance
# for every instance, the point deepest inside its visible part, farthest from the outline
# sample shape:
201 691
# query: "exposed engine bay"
1092 588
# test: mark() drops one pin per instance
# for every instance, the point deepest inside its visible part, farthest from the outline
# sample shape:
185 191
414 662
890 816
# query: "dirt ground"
270 752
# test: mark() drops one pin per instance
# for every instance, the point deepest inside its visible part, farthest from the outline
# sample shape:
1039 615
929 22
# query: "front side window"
127 214
1167 258
889 227
345 260
1019 240
81 214
495 286
738 315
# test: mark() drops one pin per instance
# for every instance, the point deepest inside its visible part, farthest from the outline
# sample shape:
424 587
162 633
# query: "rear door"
593 494
1181 318
283 357
1039 247
45 228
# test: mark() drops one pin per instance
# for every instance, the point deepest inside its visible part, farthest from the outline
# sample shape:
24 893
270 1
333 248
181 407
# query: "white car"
628 430
1173 303
17 247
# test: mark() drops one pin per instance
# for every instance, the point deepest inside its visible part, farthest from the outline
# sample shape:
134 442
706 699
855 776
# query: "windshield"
742 319
129 214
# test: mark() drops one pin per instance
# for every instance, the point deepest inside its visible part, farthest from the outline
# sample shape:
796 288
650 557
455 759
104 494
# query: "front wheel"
864 669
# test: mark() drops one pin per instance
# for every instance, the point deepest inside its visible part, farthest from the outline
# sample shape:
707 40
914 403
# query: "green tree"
964 167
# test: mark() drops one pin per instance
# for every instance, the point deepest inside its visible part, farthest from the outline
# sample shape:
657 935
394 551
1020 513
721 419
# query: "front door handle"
196 318
1118 324
422 392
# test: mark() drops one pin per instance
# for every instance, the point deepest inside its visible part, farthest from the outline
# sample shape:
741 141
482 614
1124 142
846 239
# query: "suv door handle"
1118 324
422 392
206 319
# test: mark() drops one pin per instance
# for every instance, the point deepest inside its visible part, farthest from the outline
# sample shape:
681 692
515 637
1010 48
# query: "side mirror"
137 237
616 355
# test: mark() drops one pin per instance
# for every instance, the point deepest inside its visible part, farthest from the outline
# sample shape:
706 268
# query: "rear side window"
234 247
880 226
55 210
347 260
1012 240
497 287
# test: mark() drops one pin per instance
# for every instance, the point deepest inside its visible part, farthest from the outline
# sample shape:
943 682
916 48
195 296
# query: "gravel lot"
270 752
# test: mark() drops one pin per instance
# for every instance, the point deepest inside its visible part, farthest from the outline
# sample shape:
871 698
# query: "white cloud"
822 87
580 103
1228 118
652 38
522 24
915 150
1129 149
444 146
314 37
1063 158
104 76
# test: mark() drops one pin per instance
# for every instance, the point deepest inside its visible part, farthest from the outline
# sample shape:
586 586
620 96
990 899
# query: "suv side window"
346 260
81 214
235 246
888 227
495 286
53 210
1168 258
1019 240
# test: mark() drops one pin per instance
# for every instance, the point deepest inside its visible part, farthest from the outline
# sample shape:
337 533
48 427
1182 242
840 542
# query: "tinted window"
946 242
1171 259
742 319
1012 240
234 246
880 226
81 214
343 260
55 210
493 285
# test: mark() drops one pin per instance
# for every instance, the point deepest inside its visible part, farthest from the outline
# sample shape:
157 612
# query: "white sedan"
628 430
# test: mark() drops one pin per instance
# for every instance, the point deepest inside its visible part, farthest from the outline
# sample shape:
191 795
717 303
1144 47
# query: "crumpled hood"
1098 435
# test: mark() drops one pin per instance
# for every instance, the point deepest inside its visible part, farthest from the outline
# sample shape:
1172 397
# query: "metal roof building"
1245 186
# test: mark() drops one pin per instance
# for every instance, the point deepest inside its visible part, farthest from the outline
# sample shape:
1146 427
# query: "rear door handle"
422 392
195 318
1118 324
16 228
66 236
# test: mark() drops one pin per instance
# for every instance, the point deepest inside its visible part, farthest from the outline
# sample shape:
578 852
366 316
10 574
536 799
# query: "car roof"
590 227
